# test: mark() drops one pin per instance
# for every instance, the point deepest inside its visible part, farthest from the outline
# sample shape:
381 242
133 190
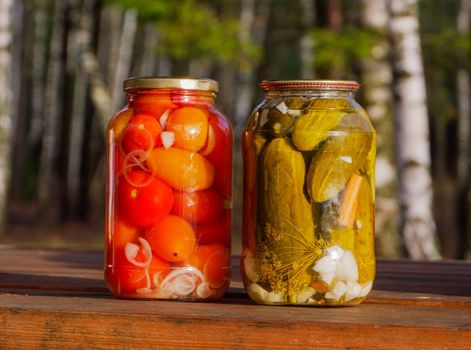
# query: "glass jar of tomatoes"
308 231
169 189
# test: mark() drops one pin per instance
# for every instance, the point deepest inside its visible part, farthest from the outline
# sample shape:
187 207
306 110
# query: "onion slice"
133 159
163 119
181 282
131 250
210 142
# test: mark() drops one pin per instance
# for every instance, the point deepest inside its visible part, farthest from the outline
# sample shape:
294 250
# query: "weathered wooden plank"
59 322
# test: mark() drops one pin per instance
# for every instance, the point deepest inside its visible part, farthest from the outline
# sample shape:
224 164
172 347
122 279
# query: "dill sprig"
283 266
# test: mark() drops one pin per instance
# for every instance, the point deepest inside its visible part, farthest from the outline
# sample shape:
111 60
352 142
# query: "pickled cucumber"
339 157
313 127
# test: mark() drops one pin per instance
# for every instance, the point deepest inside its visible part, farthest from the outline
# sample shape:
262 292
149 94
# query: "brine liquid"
308 218
169 193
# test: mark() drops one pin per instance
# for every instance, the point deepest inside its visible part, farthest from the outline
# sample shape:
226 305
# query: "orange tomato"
181 169
218 150
153 104
172 239
142 132
213 261
190 126
118 123
123 233
198 207
215 232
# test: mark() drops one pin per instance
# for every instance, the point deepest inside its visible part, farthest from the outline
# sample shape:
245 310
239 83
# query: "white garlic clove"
330 295
306 294
257 293
347 269
335 252
282 107
275 297
131 250
328 277
366 289
294 112
249 269
339 289
353 291
203 290
325 265
168 138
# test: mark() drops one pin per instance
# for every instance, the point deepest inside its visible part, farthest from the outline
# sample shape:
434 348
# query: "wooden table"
57 299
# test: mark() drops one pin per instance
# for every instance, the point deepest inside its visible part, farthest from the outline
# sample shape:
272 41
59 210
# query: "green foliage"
191 29
338 51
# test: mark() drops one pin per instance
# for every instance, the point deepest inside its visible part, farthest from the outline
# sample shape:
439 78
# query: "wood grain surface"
57 299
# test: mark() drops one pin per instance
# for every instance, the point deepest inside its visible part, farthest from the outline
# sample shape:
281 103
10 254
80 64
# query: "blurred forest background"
62 63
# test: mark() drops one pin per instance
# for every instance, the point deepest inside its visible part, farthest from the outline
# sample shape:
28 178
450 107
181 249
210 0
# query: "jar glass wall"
169 192
308 225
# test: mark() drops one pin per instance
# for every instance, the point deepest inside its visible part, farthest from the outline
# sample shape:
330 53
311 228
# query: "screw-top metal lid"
268 85
171 83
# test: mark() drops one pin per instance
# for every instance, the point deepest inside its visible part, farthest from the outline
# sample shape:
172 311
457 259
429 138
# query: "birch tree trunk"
52 110
18 17
413 147
39 64
123 64
464 128
377 81
306 44
249 28
5 103
146 68
80 44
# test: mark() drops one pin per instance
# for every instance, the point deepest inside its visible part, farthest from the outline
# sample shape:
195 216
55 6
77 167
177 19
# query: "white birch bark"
5 103
255 29
39 64
376 86
464 107
110 38
148 58
464 131
413 146
47 174
306 44
123 65
79 44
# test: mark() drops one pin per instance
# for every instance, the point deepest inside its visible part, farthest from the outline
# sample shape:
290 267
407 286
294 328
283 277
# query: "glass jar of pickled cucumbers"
308 218
169 190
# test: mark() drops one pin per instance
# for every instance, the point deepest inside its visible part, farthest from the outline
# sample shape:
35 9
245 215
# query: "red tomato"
143 206
218 150
173 239
213 261
198 207
124 277
153 104
215 232
142 132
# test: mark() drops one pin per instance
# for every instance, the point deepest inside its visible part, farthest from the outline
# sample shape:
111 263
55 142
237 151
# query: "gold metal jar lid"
171 83
268 85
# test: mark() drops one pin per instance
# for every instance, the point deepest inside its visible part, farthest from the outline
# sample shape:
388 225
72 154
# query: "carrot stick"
349 204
